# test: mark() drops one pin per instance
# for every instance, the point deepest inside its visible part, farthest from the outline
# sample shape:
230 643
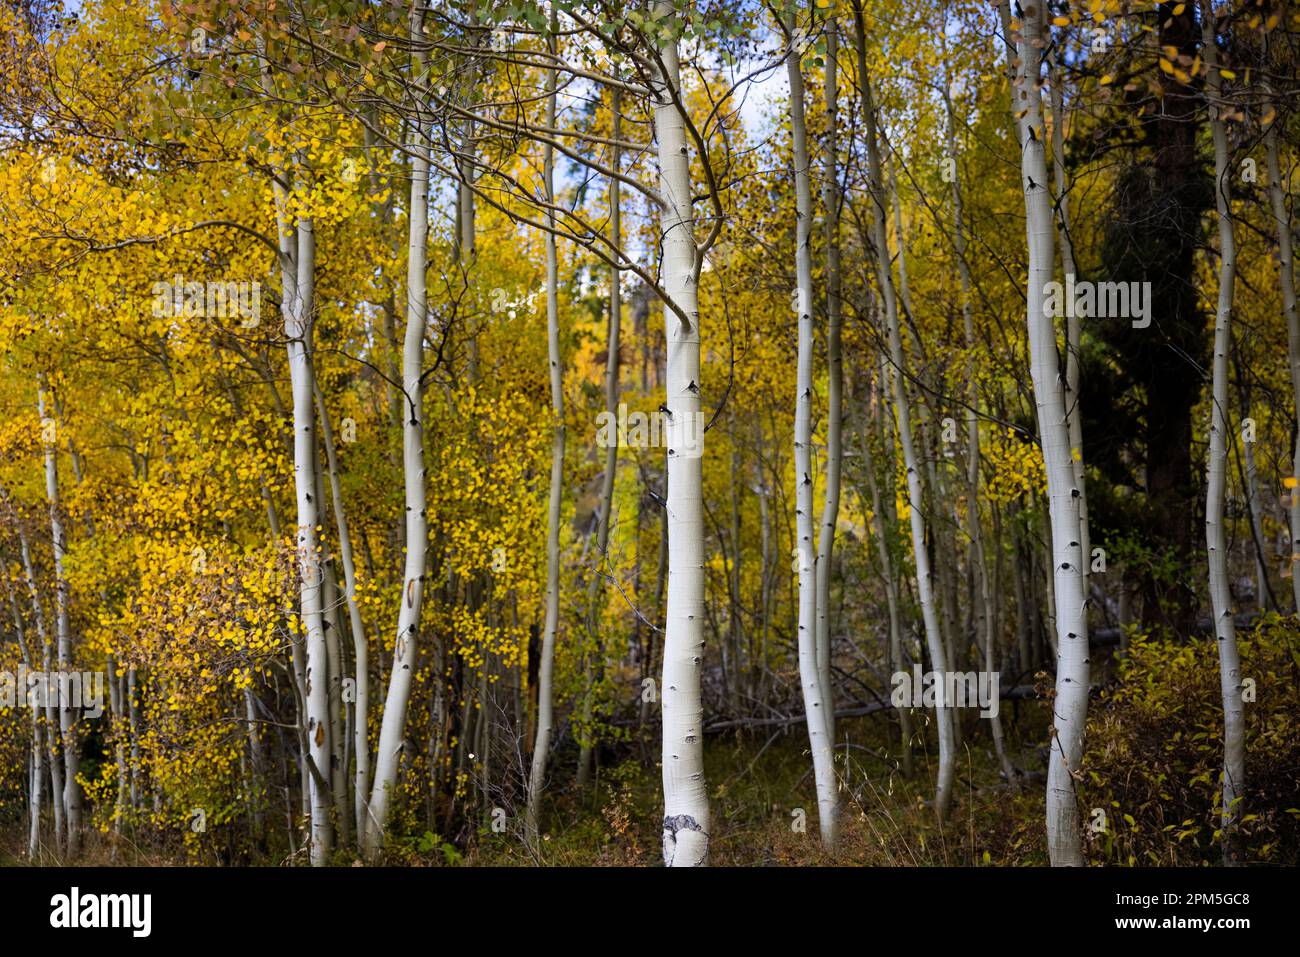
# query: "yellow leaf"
1061 21
1107 79
1166 65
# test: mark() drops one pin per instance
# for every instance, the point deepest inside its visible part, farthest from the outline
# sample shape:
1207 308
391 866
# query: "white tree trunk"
610 473
36 777
333 631
942 547
902 408
881 511
297 300
1073 328
388 752
1071 705
51 715
360 650
63 629
686 800
1253 505
834 387
38 781
545 713
1234 721
985 623
810 673
296 242
1286 276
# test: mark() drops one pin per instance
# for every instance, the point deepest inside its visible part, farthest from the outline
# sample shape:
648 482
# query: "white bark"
389 749
360 650
686 801
330 601
902 408
985 621
610 472
256 757
1071 702
545 709
1234 721
810 672
63 630
834 387
296 244
51 715
1286 276
36 776
133 717
1253 505
118 725
1073 328
942 546
339 726
881 516
297 301
38 781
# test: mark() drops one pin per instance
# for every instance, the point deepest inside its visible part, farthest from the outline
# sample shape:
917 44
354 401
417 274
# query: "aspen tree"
884 519
1225 632
686 801
56 756
545 707
1073 324
985 621
330 601
360 650
71 795
939 529
902 409
810 672
1071 702
834 380
389 747
1286 279
296 257
298 331
612 358
36 777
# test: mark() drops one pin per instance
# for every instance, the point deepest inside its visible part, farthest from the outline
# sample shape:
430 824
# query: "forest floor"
764 812
1149 792
759 783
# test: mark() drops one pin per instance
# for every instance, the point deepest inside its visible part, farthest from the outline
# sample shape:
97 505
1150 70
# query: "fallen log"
1014 693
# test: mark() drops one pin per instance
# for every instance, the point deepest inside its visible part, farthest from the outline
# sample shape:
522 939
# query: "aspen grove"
601 433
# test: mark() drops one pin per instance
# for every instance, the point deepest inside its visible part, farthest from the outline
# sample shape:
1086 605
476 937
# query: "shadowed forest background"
450 433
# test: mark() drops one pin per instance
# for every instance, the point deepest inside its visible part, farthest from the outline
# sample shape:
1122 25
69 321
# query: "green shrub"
1152 785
